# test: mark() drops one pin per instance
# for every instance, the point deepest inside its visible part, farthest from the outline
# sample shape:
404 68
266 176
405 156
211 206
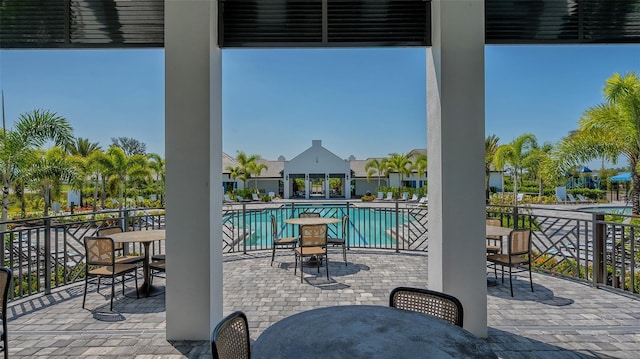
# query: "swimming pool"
368 227
608 210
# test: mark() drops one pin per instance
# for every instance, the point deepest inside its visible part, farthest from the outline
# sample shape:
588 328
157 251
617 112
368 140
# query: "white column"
285 193
193 127
307 186
455 138
327 188
347 185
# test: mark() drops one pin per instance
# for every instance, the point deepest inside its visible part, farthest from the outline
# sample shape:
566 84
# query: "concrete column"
347 185
286 194
327 188
307 186
455 138
193 127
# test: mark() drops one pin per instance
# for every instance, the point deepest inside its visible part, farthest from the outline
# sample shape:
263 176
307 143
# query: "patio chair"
313 243
582 199
389 196
230 338
279 241
343 240
437 304
6 276
101 262
405 196
119 247
571 199
414 198
255 197
494 243
380 196
518 256
309 214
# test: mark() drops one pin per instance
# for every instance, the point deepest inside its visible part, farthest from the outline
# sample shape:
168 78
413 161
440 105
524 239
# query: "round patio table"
144 237
367 331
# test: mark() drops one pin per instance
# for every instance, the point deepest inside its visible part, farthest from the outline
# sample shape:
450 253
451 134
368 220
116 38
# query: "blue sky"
361 102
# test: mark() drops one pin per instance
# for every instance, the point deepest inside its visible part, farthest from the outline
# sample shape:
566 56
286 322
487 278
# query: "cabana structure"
194 32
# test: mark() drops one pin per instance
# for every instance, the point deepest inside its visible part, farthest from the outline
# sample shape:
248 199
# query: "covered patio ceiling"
312 23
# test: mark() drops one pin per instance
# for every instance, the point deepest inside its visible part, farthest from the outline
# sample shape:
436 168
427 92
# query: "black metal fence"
45 253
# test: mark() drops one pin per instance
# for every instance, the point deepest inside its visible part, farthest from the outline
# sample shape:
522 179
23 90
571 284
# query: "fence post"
515 217
125 219
397 227
599 268
47 255
244 228
346 230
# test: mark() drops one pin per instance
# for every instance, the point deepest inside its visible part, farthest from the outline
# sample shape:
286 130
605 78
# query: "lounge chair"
560 198
255 197
380 196
582 199
571 199
405 196
389 196
414 198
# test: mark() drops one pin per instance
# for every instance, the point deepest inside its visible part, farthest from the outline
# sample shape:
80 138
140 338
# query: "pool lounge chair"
255 197
571 199
389 196
380 196
414 198
405 196
582 199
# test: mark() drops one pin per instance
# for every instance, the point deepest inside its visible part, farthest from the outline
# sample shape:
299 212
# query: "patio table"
311 221
367 331
145 237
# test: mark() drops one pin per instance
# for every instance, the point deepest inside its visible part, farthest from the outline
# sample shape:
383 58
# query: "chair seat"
158 257
286 240
335 241
493 249
158 265
108 270
129 259
504 259
310 251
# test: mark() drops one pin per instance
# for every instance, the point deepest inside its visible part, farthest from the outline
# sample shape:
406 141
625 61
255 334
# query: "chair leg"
86 282
5 341
502 269
295 268
510 282
273 253
113 291
301 271
135 276
344 254
530 278
327 265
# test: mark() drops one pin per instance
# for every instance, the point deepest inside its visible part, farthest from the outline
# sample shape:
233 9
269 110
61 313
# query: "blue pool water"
608 210
367 226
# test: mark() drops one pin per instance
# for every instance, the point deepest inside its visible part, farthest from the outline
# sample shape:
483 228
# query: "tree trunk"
540 190
515 187
635 189
5 204
95 194
486 186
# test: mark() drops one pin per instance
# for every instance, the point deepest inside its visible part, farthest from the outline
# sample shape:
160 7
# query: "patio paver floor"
561 319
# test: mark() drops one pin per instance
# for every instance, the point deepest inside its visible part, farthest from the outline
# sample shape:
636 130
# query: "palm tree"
82 147
375 166
535 164
49 172
514 154
399 163
32 130
94 165
247 164
610 129
157 165
236 173
256 169
490 148
121 167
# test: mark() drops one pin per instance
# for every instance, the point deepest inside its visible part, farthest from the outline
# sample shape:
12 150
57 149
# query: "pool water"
367 226
608 210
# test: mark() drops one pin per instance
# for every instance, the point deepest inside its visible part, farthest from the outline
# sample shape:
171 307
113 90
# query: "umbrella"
622 177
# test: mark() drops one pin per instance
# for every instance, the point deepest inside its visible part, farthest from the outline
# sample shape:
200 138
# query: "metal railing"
45 253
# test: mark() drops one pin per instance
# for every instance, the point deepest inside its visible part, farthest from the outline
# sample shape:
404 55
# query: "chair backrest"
309 214
274 227
100 251
230 338
570 197
380 195
437 304
6 276
519 242
227 198
494 222
107 231
389 195
255 197
345 226
313 235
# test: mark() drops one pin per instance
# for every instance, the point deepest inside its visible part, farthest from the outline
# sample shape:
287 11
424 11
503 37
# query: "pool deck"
561 319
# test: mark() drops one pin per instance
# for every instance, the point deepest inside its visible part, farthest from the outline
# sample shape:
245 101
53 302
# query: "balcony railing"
45 253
